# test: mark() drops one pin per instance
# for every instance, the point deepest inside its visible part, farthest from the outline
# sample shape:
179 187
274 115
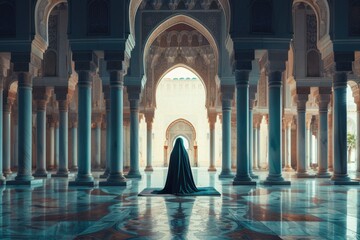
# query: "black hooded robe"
179 178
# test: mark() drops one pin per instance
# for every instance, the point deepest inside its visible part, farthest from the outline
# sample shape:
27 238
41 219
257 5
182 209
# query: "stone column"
275 122
7 137
340 175
308 141
358 136
108 132
302 98
251 137
165 155
114 67
134 96
212 120
227 96
51 143
2 178
41 96
242 117
288 123
56 144
62 97
256 131
126 165
84 176
196 154
97 146
74 153
149 117
330 134
24 174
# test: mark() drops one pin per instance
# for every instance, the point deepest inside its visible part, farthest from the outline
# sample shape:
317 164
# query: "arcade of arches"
263 92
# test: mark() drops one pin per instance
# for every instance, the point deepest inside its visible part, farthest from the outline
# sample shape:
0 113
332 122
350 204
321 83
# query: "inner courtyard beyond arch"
264 94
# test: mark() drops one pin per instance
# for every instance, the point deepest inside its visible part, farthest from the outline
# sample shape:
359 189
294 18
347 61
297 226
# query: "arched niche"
134 5
182 127
322 12
43 9
175 20
313 60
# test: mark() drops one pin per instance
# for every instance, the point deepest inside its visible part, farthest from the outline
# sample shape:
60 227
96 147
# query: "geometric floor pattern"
308 209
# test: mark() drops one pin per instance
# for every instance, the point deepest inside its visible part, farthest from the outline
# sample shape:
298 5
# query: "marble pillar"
258 142
84 176
301 169
212 120
357 138
51 143
149 122
24 174
62 169
7 140
116 177
323 102
134 139
275 123
74 153
108 132
226 139
330 141
242 117
340 175
97 145
288 124
41 139
56 146
256 146
251 141
2 178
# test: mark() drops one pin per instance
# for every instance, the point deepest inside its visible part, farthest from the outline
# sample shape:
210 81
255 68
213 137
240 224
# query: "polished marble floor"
308 209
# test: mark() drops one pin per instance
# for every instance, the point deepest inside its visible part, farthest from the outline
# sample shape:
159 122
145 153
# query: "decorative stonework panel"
53 31
311 31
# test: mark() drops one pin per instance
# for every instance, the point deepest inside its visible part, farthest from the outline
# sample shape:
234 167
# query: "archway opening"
185 141
181 112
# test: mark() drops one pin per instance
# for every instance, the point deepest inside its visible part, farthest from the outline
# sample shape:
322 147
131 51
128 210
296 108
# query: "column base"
122 183
304 175
253 176
149 169
133 174
82 184
323 175
250 183
74 168
270 183
105 174
340 178
345 182
7 173
25 182
288 169
41 174
62 175
2 182
212 169
226 174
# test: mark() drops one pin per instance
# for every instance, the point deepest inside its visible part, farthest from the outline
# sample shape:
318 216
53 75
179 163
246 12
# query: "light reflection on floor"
309 209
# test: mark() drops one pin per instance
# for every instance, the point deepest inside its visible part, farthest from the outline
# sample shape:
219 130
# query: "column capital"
149 117
63 105
212 118
257 118
227 92
134 92
97 118
302 96
41 93
288 120
242 77
106 91
243 59
276 60
323 99
309 119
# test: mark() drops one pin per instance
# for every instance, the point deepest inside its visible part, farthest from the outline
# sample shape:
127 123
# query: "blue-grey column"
98 145
226 139
212 120
340 128
149 121
56 146
51 144
251 141
7 140
116 176
74 152
108 132
84 175
357 138
2 178
323 102
288 145
275 130
242 133
301 169
258 144
41 139
255 147
62 170
134 139
24 175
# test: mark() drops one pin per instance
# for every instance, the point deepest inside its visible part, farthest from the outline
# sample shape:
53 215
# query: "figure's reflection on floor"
308 209
179 212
